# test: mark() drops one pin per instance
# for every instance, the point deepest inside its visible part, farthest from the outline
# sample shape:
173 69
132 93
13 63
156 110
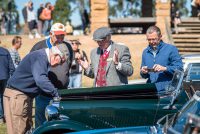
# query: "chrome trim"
196 96
52 110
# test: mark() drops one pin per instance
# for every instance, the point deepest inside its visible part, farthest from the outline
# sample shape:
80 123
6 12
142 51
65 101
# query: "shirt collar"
13 49
48 55
48 43
158 47
108 48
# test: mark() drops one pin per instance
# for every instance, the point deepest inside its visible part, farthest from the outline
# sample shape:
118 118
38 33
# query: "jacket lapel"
109 60
97 57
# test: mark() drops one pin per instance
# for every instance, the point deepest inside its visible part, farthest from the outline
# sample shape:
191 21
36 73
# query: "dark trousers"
2 88
41 102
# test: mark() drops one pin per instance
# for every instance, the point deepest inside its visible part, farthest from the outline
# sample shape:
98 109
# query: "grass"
2 129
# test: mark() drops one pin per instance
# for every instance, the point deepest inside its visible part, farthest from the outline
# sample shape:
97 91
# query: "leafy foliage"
181 6
62 11
124 8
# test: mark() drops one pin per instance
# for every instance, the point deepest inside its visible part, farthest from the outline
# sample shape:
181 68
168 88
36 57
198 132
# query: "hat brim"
59 32
98 39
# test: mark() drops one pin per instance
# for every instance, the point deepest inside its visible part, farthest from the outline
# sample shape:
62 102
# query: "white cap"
58 28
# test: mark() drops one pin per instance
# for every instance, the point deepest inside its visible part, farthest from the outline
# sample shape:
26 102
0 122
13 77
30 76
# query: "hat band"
59 32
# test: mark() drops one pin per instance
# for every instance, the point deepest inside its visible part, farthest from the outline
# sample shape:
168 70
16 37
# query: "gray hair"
152 29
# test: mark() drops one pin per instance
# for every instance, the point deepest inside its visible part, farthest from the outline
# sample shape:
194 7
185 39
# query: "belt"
13 88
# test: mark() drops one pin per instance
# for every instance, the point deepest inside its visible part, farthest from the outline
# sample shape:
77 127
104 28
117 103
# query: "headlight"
51 113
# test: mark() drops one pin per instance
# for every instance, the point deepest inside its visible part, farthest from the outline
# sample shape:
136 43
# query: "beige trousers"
18 111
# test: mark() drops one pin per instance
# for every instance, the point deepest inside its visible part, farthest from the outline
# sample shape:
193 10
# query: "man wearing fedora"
110 63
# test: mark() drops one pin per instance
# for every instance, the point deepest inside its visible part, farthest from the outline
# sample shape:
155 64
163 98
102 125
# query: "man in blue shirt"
29 80
159 60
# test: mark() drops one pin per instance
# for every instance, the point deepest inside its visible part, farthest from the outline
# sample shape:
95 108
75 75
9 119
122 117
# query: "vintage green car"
112 107
186 120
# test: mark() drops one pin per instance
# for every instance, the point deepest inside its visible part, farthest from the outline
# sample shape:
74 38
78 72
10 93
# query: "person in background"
69 28
6 70
177 21
47 17
24 14
110 62
32 23
3 21
172 13
75 75
159 60
16 45
28 80
85 22
40 21
59 75
195 8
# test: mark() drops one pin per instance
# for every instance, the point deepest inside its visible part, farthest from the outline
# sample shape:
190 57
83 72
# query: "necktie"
101 75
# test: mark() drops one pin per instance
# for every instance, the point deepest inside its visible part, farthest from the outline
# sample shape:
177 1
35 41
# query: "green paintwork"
60 126
116 106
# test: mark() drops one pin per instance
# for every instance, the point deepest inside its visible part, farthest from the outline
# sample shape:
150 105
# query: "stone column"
99 14
163 14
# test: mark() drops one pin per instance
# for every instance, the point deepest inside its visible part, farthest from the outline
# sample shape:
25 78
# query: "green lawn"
2 128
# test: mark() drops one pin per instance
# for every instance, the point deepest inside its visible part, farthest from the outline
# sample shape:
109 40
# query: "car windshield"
193 107
176 81
194 72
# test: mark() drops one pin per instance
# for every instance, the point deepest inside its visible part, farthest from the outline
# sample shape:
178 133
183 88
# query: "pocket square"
109 59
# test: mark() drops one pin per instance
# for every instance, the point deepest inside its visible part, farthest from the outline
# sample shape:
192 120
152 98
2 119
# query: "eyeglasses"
77 43
153 39
101 41
73 43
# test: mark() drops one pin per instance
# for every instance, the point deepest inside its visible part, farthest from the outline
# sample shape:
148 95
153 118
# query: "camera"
73 64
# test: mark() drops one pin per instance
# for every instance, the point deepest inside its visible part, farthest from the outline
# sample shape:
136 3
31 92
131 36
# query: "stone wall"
163 14
99 14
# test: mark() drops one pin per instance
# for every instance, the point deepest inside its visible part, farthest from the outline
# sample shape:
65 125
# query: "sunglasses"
77 43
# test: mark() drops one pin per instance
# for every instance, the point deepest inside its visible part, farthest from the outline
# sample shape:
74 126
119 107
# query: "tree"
181 6
124 8
62 11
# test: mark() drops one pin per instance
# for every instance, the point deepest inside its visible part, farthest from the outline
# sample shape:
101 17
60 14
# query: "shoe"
30 36
37 36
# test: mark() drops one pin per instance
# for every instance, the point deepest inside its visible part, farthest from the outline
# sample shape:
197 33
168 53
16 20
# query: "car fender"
61 126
